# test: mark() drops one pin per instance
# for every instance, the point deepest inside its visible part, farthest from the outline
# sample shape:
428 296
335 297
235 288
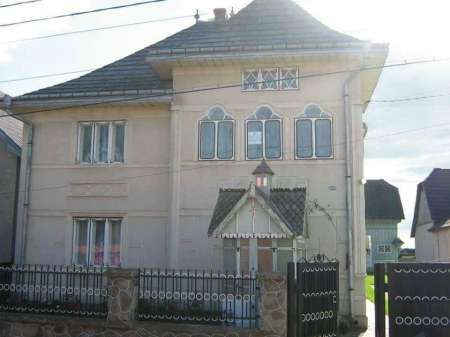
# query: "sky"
405 139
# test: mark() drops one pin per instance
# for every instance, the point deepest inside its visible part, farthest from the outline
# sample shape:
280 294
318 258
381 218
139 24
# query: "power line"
99 29
98 10
47 75
19 3
235 162
407 99
180 92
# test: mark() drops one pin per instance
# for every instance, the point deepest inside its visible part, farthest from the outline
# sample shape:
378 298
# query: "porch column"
174 192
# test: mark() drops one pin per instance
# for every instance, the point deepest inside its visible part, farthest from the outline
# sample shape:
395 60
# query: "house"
431 222
148 161
10 152
384 211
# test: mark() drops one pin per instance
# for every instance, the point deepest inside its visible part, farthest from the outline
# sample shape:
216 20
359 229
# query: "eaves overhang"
86 100
164 61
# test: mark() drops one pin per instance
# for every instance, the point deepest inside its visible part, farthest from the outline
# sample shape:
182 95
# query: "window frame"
216 135
90 240
313 136
257 84
260 80
297 79
263 121
111 154
383 251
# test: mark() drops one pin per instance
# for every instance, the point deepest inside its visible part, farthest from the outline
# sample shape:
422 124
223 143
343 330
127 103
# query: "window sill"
100 165
316 158
267 159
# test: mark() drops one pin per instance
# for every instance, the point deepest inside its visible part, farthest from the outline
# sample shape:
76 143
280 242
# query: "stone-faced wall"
17 325
273 305
122 294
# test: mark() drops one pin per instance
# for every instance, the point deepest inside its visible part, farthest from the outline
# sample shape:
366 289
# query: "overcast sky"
405 140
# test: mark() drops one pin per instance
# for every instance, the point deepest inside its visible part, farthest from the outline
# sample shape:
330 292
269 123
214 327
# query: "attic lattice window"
270 79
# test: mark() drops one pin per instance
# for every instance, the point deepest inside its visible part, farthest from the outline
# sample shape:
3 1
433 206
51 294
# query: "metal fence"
198 297
418 299
58 290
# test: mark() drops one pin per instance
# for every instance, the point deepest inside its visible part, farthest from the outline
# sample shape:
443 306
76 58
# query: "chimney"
220 15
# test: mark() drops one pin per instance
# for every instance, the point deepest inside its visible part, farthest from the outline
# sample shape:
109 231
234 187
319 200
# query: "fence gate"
313 298
419 299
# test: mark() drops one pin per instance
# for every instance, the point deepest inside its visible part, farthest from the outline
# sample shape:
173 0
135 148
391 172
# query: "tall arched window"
216 135
314 134
264 136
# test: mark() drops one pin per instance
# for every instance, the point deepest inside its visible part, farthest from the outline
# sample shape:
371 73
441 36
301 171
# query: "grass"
370 290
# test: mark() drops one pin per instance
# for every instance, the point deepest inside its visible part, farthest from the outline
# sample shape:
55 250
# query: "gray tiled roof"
263 168
11 132
382 200
132 74
288 204
264 25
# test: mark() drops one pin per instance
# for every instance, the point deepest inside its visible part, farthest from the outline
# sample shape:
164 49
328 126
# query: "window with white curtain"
314 134
264 136
216 135
96 241
101 142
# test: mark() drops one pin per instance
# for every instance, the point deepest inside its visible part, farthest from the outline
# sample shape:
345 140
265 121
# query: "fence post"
122 294
273 308
380 311
291 301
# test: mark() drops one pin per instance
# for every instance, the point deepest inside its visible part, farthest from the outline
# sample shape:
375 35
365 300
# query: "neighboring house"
431 224
384 211
155 168
10 151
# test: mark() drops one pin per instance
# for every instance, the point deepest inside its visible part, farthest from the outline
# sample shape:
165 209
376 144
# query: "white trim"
260 80
253 236
90 242
110 155
313 136
287 232
263 135
204 119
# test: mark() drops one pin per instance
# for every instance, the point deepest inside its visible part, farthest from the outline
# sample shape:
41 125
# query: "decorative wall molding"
94 189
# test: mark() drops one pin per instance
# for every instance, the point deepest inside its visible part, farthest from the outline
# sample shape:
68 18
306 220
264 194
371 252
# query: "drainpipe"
24 188
349 187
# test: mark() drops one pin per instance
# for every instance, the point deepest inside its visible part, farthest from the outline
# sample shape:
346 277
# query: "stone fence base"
17 325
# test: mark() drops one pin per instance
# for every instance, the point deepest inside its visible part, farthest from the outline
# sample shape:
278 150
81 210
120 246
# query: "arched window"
313 134
216 135
264 137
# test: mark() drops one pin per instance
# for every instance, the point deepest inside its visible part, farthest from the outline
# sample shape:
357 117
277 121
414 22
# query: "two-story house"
384 211
10 152
148 161
431 223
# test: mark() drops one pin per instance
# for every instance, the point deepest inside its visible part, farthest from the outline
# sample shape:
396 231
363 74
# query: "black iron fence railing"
58 290
198 297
